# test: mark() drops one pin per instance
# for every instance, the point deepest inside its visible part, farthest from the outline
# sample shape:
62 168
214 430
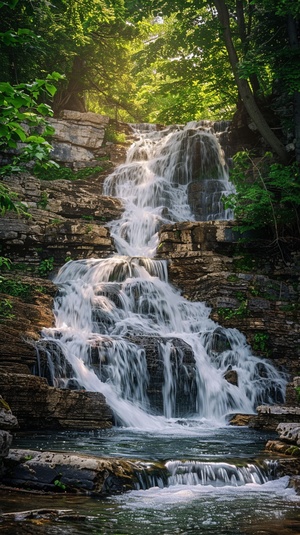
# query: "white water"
104 302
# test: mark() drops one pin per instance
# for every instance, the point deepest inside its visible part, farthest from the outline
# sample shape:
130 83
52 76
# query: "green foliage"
6 309
24 128
13 286
59 484
111 135
293 450
234 313
42 203
65 173
5 262
157 60
297 389
17 288
4 404
9 201
261 342
244 262
179 66
267 195
46 266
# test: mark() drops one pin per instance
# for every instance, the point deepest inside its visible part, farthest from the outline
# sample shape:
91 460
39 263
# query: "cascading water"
108 310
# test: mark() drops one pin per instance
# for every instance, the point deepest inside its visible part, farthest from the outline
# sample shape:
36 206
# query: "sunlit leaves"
267 194
23 126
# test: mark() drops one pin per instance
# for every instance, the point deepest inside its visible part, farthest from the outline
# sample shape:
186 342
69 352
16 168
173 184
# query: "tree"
181 69
245 91
83 39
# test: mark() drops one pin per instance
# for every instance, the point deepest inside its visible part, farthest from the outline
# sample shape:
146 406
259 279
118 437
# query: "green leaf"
44 109
50 88
55 76
5 87
35 139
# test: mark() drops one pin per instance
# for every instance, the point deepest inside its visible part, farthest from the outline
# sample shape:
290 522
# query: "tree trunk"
294 43
244 88
71 97
244 34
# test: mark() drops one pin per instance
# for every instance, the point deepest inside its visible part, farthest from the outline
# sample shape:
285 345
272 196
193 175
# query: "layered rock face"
77 137
39 406
247 286
67 220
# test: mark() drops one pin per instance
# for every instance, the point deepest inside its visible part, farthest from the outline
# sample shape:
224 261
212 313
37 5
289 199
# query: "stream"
107 312
210 508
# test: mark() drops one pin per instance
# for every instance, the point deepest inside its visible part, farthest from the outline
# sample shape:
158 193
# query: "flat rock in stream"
73 473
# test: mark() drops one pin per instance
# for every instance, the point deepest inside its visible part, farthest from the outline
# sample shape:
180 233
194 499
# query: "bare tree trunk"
71 97
244 88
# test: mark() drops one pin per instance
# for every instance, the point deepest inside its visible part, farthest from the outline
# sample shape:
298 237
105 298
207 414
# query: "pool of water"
271 508
195 442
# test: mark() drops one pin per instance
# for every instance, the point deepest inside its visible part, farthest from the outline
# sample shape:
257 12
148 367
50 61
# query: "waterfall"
215 474
123 330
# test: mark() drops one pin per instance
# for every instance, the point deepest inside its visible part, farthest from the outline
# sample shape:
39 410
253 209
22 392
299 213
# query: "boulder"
231 377
77 137
289 432
67 153
241 419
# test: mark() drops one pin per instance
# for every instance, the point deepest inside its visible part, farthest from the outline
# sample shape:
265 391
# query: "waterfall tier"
121 329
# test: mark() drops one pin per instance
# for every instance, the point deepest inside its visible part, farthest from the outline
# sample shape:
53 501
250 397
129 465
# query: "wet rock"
294 483
241 419
232 377
182 366
75 473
